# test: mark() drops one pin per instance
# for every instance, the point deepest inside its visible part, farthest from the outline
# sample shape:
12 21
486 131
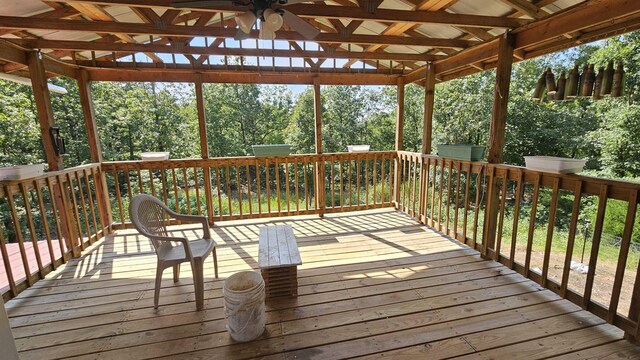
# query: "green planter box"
461 151
271 150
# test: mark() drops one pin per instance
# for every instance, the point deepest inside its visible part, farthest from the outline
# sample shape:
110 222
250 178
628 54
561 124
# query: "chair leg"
215 262
156 294
198 282
176 273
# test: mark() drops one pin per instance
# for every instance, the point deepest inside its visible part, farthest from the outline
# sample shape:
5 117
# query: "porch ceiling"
367 41
372 284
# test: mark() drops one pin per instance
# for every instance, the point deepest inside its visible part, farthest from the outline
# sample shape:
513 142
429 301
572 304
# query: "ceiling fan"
271 19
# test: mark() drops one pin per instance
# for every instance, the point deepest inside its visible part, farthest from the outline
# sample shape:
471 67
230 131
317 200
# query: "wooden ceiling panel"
398 34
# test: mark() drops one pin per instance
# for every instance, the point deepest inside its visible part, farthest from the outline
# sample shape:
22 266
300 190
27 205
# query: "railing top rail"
246 159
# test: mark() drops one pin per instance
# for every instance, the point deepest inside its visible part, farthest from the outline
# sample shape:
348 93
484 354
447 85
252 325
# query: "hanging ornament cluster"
586 84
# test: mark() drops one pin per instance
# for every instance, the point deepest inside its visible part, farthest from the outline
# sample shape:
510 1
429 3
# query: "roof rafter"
191 31
345 12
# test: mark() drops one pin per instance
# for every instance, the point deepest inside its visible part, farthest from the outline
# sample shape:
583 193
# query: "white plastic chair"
149 216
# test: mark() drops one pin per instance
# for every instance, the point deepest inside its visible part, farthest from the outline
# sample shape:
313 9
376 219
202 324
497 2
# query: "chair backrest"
149 215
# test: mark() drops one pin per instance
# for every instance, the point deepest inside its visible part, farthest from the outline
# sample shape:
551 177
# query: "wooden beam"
497 134
204 147
42 98
317 111
527 8
86 101
12 22
500 99
344 12
240 77
429 101
204 50
399 137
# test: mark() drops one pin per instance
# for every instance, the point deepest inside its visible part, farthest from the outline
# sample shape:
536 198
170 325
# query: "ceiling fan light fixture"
266 33
245 21
272 20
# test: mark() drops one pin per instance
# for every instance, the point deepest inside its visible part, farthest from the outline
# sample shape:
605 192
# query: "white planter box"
554 164
21 172
146 156
358 148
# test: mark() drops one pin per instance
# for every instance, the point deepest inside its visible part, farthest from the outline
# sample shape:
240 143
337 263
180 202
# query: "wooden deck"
373 285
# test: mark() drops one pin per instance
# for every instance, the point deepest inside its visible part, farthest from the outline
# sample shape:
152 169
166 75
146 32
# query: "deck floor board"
373 285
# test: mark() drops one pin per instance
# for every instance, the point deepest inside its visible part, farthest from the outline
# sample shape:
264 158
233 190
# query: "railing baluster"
432 216
595 244
185 180
457 200
126 176
269 187
219 191
91 203
18 232
366 181
151 184
341 185
45 224
332 184
449 175
503 204
196 184
286 183
375 178
7 266
440 194
532 224
477 206
382 177
32 228
306 185
227 175
239 187
516 216
277 171
259 201
118 197
76 213
297 180
550 227
175 187
357 181
140 188
163 180
84 206
57 220
624 253
350 177
467 186
248 172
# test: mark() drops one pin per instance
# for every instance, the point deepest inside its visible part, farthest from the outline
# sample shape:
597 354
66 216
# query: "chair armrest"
183 241
195 219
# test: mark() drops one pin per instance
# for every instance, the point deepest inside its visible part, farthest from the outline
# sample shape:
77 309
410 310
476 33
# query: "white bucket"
244 305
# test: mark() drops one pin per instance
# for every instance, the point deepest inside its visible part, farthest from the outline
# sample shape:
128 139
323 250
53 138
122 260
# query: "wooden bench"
278 259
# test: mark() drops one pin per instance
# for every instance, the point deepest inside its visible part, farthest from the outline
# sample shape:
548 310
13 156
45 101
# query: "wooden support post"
496 131
399 139
42 98
204 149
95 150
429 88
317 107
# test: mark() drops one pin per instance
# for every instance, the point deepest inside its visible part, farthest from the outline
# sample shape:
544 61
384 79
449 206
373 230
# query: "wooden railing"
45 220
250 187
538 224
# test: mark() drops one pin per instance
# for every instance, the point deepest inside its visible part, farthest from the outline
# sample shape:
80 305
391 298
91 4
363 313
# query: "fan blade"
241 35
291 2
202 3
304 28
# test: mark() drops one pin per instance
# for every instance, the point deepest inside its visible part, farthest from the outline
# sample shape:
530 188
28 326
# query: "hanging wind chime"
607 82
